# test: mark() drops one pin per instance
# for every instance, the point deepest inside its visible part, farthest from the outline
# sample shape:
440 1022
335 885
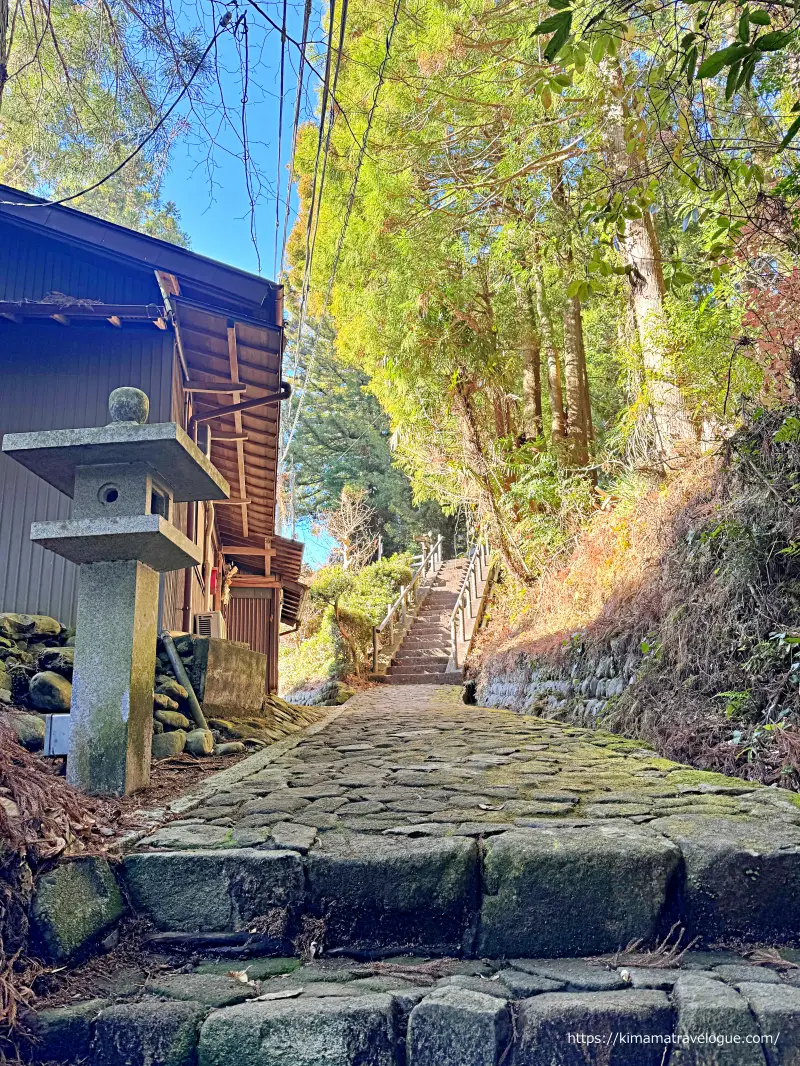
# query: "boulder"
16 626
172 719
62 1034
577 1028
5 677
158 727
29 729
384 893
232 747
59 660
165 745
705 1005
44 626
74 905
148 1033
303 1032
164 703
49 691
200 742
168 686
20 676
454 1026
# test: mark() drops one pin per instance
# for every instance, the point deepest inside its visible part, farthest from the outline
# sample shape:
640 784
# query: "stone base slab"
408 1012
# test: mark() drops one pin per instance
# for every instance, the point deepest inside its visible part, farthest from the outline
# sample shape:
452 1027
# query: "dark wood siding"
31 266
251 617
59 377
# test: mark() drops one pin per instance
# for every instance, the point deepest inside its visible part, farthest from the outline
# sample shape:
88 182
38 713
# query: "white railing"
469 605
404 607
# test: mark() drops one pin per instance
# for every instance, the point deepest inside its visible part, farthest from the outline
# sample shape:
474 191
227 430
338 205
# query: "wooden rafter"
233 358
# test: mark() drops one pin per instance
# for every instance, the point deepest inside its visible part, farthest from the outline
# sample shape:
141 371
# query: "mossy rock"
686 776
74 905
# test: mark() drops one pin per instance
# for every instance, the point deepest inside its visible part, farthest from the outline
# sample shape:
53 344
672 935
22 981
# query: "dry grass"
703 568
608 565
667 954
41 819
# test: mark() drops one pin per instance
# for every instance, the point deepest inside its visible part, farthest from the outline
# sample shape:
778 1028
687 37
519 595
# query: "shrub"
342 607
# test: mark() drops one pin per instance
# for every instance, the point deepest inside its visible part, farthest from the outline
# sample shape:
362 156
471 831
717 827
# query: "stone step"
341 1012
427 679
423 653
410 658
425 671
548 888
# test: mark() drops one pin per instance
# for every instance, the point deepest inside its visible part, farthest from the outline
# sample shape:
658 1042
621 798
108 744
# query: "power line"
280 142
295 126
318 179
348 210
297 44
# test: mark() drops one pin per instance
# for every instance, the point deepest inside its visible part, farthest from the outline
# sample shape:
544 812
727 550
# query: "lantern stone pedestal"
124 479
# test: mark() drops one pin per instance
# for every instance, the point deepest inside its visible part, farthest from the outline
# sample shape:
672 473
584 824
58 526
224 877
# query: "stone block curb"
574 891
216 891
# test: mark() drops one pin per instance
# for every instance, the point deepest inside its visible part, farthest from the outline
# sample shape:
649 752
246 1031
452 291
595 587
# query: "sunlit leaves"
560 25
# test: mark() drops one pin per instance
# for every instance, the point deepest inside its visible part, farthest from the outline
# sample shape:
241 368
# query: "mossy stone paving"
412 821
415 761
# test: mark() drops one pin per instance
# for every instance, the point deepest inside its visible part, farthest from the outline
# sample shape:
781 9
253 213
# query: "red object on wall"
214 580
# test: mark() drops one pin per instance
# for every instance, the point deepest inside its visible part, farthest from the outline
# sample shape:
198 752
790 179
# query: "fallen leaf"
286 993
489 807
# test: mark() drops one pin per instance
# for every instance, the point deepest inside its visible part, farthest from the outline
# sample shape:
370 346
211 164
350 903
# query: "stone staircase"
423 656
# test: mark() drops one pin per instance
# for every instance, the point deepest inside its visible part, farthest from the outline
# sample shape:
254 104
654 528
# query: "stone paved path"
415 761
412 821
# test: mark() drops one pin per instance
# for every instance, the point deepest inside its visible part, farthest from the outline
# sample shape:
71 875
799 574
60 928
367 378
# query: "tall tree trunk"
575 381
5 46
555 394
531 374
642 254
480 469
575 377
499 411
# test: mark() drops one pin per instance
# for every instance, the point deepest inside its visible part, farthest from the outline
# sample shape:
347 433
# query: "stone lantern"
124 480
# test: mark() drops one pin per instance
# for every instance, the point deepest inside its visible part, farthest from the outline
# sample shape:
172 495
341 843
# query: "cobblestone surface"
433 1012
415 761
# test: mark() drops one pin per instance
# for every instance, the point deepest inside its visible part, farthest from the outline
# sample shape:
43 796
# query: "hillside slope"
677 616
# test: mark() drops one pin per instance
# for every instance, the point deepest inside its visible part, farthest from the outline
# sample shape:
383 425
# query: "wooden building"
86 306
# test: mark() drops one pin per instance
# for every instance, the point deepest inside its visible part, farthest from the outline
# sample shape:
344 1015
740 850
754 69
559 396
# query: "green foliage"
343 441
375 587
329 585
320 656
78 97
527 165
336 635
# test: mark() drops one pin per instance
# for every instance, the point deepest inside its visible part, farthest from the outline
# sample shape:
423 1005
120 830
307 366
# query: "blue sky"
207 177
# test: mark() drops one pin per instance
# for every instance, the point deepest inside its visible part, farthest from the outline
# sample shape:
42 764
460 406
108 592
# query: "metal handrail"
429 562
468 596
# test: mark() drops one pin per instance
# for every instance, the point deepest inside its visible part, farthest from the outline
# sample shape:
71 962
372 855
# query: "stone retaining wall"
576 687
